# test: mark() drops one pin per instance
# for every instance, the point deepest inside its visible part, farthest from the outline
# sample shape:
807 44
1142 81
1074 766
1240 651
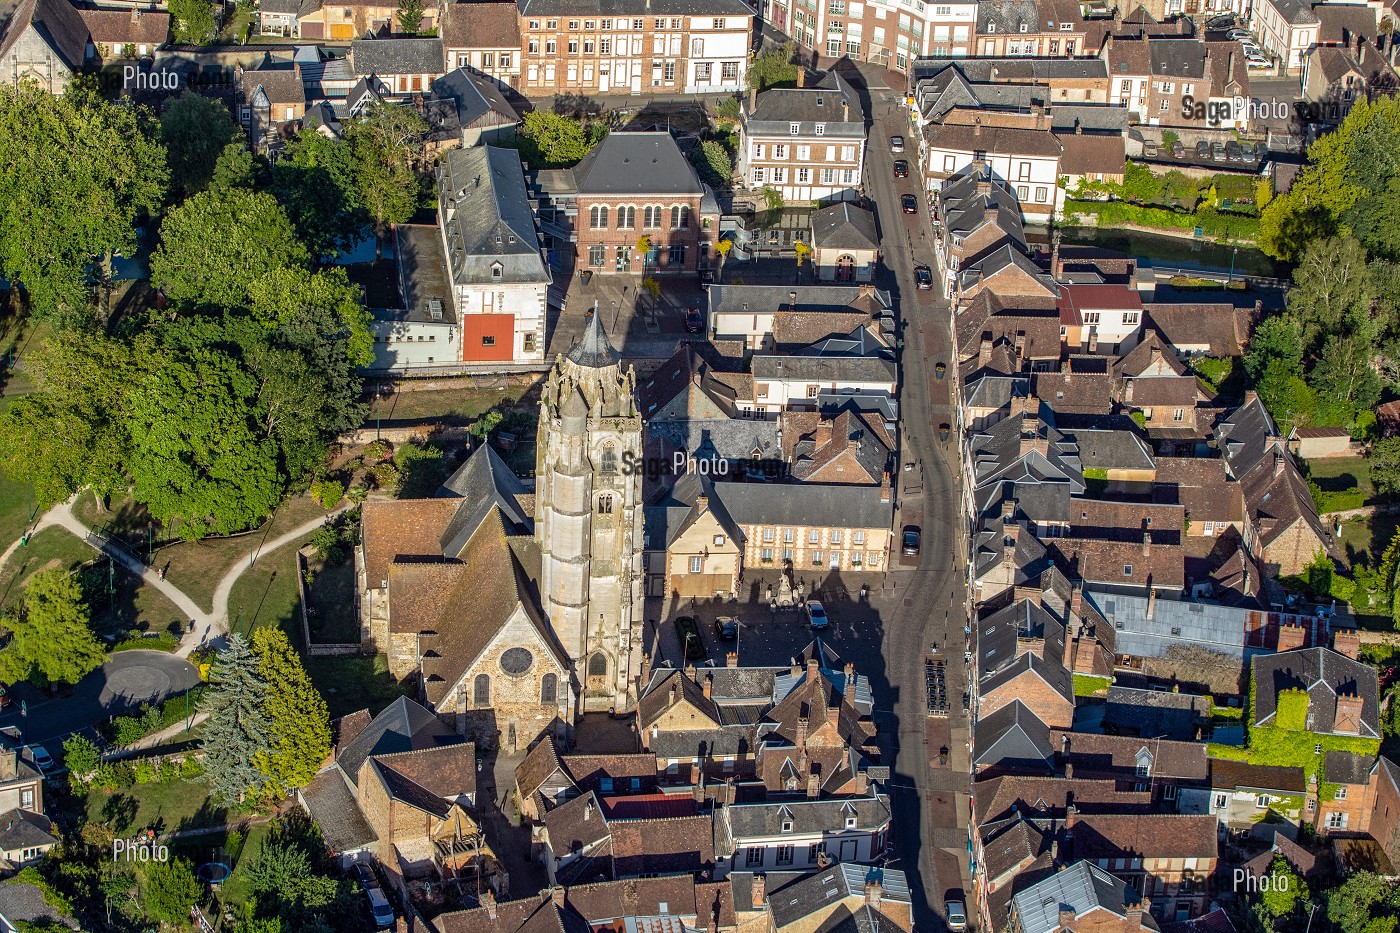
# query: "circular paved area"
139 683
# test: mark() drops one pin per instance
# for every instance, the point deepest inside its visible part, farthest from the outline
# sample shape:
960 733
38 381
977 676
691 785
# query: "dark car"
727 628
901 168
1233 152
909 203
923 277
912 537
364 875
694 321
1178 150
1217 151
1203 149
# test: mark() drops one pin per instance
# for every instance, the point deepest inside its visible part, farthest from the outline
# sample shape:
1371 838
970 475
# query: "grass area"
331 595
267 595
1338 474
1269 745
457 405
17 505
353 683
52 547
236 26
238 889
182 804
1088 685
1363 540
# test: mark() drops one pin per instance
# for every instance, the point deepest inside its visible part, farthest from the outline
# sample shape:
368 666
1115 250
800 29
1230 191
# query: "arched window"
609 458
481 690
605 504
598 666
651 217
680 217
626 217
598 217
549 689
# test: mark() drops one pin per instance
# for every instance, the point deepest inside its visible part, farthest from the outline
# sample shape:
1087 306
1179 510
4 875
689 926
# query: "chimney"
984 352
1056 267
885 486
845 110
753 98
813 785
8 764
801 76
1347 644
801 739
862 783
984 187
1076 601
758 894
1291 636
1066 918
588 811
1079 127
872 894
646 667
1348 717
977 127
794 668
709 684
488 900
833 715
1093 340
849 687
1071 811
1146 543
1278 463
556 894
1151 603
702 504
812 666
731 659
675 691
1136 912
1011 535
691 673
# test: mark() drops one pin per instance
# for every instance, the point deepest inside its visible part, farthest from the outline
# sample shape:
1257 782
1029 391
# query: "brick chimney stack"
488 900
801 76
1146 543
1347 644
709 685
1066 919
801 739
849 687
984 352
756 888
753 98
1291 636
1348 716
812 665
557 894
813 785
702 504
731 659
872 894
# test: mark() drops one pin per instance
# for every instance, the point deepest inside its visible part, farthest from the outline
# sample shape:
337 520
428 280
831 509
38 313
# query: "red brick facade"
611 228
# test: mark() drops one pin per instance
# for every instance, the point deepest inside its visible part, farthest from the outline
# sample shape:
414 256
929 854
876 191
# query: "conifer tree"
299 728
237 732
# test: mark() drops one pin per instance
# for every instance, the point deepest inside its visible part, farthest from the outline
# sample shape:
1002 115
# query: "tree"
194 130
1352 905
1385 465
234 168
772 199
1344 381
1277 340
282 294
50 639
192 21
1332 291
773 68
803 251
1286 890
711 159
253 235
78 173
386 143
284 880
237 730
169 889
410 16
81 756
553 140
315 182
299 726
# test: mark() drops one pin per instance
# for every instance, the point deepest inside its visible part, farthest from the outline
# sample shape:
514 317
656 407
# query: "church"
518 610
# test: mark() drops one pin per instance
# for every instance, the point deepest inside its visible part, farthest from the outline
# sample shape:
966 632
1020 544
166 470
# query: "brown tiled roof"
537 766
687 371
1110 756
1107 520
1128 58
832 437
988 316
447 770
1231 774
1200 486
536 914
1150 351
57 22
282 85
1047 796
408 528
801 328
481 25
1076 393
576 823
1148 835
1104 562
349 726
608 901
118 27
994 140
1220 73
1091 153
586 770
659 699
681 844
1221 326
1279 499
1163 391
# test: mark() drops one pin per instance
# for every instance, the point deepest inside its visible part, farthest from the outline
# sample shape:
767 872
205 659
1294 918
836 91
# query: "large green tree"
282 294
77 175
774 67
299 730
1332 291
387 143
236 732
195 129
217 243
200 455
1363 897
1286 890
50 639
192 21
409 16
168 891
316 182
555 140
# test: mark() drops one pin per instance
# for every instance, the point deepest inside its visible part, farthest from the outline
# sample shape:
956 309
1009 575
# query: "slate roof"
1178 58
1007 16
994 140
994 392
626 8
402 726
1051 672
474 96
811 298
748 820
22 901
843 431
822 890
24 829
1324 674
1112 450
844 226
330 799
57 22
1152 713
778 108
637 163
1347 767
492 225
830 506
733 439
1082 888
1013 738
412 56
669 518
1295 12
1247 436
997 634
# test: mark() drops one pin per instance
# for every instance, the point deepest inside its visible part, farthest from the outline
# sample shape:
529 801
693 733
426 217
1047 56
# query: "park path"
208 626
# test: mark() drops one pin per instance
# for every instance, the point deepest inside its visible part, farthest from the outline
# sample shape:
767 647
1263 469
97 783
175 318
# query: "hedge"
1213 224
125 730
160 641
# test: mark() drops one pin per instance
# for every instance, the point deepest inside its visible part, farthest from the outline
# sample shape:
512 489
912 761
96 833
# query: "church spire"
594 351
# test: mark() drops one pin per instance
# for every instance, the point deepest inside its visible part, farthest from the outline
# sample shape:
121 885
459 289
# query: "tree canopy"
554 140
195 129
299 725
236 732
774 68
51 641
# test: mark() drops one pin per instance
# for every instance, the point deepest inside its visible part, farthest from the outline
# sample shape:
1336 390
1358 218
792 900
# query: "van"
379 909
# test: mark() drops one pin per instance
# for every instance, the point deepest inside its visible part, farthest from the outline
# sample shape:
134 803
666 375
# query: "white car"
1239 35
42 759
1250 49
957 915
1255 62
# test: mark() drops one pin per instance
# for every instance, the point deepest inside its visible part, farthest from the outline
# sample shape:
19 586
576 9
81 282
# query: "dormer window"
821 129
1025 28
850 822
787 826
497 270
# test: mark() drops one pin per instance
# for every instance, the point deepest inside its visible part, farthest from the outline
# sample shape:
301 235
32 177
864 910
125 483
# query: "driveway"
127 680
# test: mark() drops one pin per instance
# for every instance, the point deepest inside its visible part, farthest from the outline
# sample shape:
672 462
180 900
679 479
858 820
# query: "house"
401 790
1170 770
1179 81
808 143
1041 28
1082 897
1355 780
693 49
845 243
848 447
44 42
863 34
635 186
483 36
1095 316
546 778
1169 858
353 19
24 903
406 66
1014 854
1210 329
270 100
635 903
1316 690
975 216
861 362
26 834
282 17
800 833
467 109
810 527
422 330
839 894
693 546
592 837
1286 29
1024 158
1012 739
1065 79
1241 792
125 34
754 315
1156 713
499 279
1319 443
1212 504
1384 823
1041 685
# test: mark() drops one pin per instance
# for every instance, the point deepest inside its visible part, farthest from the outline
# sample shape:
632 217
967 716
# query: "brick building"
893 33
483 35
666 47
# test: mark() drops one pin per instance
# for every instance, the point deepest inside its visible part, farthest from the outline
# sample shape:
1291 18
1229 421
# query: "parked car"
816 614
901 168
1223 21
896 144
923 278
727 628
957 915
1150 151
1233 152
1257 62
42 759
912 538
1178 150
379 909
694 321
364 877
909 204
1203 149
1217 151
1239 35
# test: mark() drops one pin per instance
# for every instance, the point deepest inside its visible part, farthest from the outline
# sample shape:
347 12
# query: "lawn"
267 595
457 405
181 804
1363 540
353 683
237 890
331 595
17 505
52 547
1338 474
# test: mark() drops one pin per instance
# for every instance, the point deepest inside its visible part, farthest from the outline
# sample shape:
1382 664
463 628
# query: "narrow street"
931 606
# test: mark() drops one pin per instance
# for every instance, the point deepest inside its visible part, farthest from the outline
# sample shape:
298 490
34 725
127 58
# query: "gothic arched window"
481 690
609 458
605 504
549 689
598 667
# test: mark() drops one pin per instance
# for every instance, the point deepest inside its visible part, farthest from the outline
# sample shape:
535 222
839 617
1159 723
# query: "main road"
930 605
